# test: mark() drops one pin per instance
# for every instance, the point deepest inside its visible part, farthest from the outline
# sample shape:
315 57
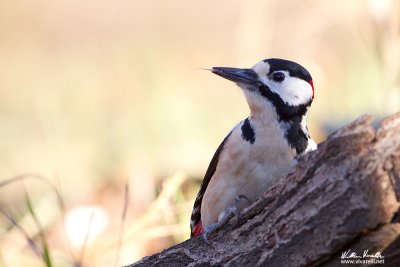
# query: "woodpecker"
260 149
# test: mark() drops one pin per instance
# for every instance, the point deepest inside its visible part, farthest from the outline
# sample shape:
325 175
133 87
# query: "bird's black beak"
244 76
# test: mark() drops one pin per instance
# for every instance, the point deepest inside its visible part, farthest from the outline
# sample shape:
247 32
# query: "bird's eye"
278 77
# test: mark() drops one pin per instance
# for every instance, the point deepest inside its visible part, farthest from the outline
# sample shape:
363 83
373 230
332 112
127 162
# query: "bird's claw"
237 210
209 230
226 216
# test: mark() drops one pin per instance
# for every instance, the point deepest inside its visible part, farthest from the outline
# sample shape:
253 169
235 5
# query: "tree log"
345 196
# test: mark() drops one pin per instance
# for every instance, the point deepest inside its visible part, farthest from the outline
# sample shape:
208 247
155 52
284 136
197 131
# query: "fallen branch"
343 197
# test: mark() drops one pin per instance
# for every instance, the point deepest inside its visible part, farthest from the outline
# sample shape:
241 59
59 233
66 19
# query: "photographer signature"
353 255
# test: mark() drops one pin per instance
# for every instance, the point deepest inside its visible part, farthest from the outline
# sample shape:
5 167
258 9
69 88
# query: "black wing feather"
196 214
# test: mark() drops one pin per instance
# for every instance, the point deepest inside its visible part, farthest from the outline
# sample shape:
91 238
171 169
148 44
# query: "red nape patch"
198 229
312 85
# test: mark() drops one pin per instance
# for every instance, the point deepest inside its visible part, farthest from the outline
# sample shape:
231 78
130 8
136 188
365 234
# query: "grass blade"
80 261
31 243
123 217
45 248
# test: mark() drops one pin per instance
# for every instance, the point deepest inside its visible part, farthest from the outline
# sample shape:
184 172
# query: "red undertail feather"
198 229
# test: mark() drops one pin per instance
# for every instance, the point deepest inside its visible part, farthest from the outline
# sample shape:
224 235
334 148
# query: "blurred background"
99 95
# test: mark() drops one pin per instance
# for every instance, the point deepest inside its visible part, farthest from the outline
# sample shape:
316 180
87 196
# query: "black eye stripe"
278 76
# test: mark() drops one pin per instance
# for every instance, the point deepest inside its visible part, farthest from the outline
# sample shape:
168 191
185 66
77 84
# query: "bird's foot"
222 220
225 216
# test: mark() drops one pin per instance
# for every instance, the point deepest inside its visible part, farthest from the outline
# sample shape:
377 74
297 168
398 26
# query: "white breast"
246 169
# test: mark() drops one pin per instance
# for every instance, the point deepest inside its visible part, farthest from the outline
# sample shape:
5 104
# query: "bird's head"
285 84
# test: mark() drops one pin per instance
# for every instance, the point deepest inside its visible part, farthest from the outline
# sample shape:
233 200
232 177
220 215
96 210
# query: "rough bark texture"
343 196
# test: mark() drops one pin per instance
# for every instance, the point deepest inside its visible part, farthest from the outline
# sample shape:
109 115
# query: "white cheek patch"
292 90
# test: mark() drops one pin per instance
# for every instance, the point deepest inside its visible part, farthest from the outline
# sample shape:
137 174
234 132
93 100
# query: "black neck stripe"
285 111
293 115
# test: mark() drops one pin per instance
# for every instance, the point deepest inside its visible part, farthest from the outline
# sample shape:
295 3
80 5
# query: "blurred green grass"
97 93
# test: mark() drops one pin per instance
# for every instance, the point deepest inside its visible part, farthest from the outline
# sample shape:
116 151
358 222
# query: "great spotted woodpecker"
261 148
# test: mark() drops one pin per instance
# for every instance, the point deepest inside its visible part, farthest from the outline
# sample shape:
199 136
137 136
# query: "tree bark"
345 196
